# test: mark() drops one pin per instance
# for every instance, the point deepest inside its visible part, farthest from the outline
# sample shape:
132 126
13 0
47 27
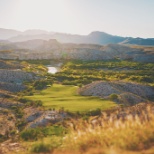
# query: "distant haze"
118 17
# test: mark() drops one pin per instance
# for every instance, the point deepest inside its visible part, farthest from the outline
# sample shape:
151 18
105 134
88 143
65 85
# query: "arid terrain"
95 92
52 49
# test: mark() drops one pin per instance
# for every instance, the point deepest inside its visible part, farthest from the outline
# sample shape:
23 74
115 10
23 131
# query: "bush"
41 84
113 96
37 103
23 100
31 134
2 138
146 79
94 112
18 111
41 148
36 133
21 124
13 132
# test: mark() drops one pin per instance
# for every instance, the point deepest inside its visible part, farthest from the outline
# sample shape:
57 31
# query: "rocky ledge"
12 79
127 92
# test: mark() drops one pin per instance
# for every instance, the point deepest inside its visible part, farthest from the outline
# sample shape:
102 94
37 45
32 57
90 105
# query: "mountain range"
95 37
52 49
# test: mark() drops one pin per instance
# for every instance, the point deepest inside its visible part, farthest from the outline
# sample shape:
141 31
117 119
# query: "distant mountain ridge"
8 33
95 37
52 49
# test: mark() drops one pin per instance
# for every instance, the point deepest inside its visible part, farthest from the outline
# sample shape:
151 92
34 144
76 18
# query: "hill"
52 49
95 37
124 92
139 41
8 33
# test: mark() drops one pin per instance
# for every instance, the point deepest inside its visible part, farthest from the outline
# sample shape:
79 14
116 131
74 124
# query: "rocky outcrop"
15 76
127 92
11 87
12 80
7 121
103 88
35 117
130 98
48 117
41 49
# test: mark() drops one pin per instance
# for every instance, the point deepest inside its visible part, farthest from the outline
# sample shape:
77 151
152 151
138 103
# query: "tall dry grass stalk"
130 128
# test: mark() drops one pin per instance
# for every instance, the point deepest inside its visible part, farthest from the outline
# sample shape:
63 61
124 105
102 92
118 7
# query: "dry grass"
122 131
131 129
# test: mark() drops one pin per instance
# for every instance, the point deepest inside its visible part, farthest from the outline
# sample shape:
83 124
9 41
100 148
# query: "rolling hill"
52 49
95 37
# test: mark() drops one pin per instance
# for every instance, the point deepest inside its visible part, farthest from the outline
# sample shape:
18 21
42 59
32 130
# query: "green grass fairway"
66 96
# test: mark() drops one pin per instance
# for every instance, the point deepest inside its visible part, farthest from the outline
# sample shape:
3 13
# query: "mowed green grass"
66 96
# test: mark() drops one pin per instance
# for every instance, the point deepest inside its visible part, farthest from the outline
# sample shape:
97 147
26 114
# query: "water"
54 67
52 70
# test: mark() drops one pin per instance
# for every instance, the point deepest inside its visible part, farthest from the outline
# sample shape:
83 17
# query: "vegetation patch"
58 96
41 148
84 72
34 134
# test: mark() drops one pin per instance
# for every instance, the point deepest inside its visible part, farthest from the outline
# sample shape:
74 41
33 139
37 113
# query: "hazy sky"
118 17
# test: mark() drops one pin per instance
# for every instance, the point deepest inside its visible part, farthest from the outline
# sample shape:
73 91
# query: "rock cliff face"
11 87
15 76
35 117
12 79
40 49
127 92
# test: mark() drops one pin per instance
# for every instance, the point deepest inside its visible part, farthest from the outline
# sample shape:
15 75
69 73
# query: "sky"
133 18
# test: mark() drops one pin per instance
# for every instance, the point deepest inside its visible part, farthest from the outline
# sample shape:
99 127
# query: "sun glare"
51 14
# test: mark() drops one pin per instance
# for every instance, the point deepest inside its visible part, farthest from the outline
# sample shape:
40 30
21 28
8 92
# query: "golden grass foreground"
130 129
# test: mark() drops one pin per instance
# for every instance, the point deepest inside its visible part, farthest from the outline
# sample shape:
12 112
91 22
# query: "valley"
76 77
59 91
36 102
65 96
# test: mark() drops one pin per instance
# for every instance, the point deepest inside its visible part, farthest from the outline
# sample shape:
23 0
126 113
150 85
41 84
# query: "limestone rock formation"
127 92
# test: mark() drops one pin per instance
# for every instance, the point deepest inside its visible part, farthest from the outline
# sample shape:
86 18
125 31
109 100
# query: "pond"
54 68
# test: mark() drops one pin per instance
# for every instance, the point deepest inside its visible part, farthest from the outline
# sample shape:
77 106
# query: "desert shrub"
80 85
13 132
94 112
36 133
146 79
21 124
37 103
113 96
2 137
31 134
18 111
5 112
41 148
41 84
53 130
81 72
85 117
23 100
34 103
